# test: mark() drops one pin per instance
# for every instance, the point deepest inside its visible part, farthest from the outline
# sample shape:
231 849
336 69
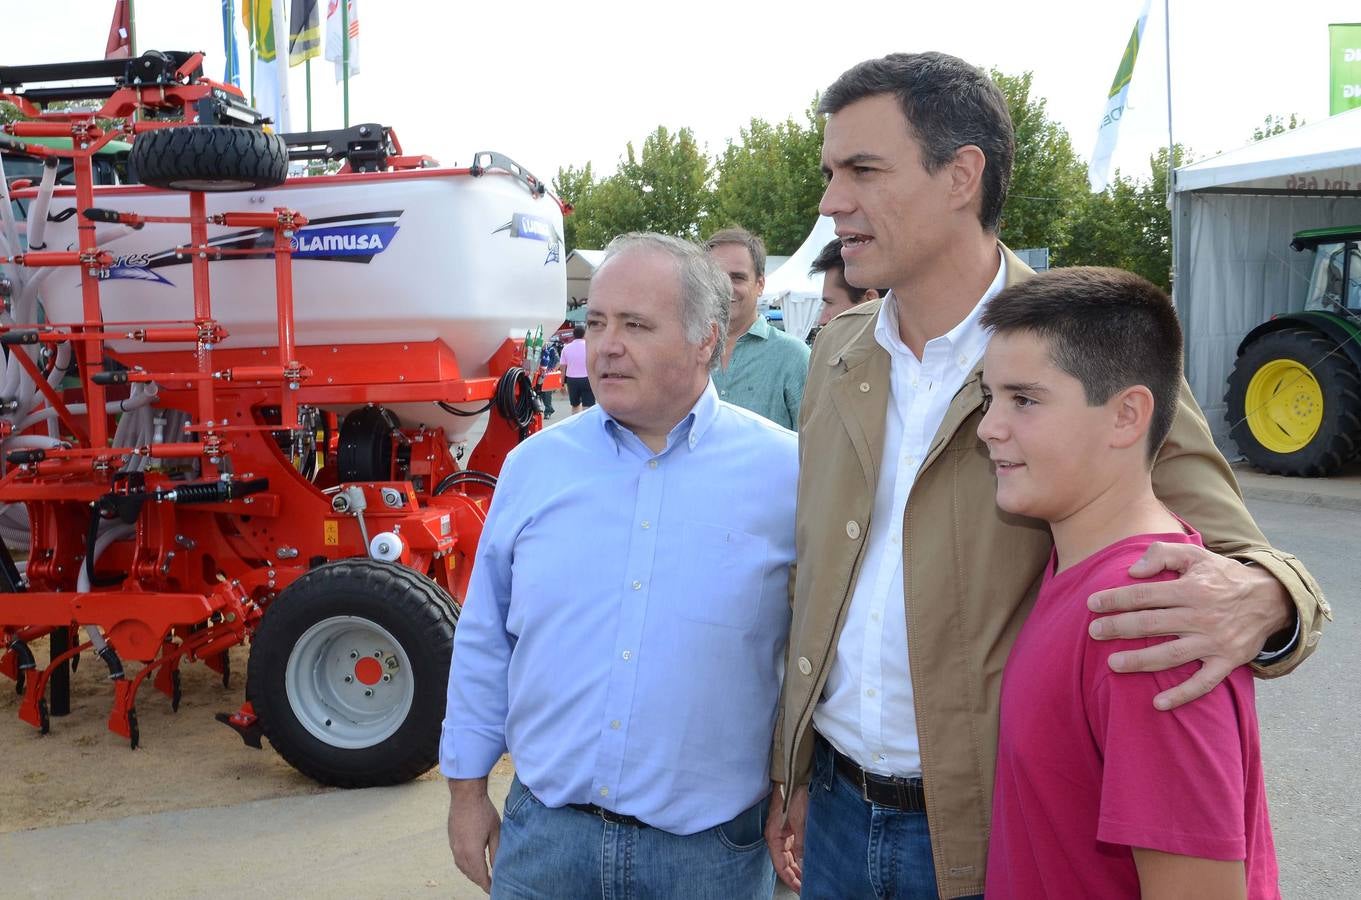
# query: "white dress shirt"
867 709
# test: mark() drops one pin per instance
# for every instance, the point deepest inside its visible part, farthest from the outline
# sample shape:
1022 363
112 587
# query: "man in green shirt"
763 368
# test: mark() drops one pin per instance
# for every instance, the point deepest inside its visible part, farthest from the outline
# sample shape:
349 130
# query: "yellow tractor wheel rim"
1284 406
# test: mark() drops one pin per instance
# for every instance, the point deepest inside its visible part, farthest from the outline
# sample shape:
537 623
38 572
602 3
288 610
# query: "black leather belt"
905 794
609 815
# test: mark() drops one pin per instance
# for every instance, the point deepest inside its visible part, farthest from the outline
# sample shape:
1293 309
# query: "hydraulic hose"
483 478
515 399
37 213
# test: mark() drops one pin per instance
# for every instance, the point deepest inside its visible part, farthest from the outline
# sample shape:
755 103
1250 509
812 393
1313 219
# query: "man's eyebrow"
1026 387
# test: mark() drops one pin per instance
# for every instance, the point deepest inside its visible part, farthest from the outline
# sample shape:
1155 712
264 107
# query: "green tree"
1273 125
1048 181
770 181
1128 225
574 186
663 188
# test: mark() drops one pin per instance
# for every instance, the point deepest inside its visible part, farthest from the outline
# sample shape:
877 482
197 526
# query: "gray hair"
706 292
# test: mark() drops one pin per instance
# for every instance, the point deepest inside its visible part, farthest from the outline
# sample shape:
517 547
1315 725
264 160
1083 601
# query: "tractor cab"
1337 262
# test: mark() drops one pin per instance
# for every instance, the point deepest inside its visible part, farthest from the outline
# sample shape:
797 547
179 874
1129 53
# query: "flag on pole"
335 41
269 89
232 73
304 31
119 44
1099 170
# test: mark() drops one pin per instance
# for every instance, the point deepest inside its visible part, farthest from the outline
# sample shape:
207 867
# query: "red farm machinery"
207 372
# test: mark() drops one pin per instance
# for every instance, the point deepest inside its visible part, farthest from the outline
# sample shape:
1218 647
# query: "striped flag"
304 31
119 44
1099 170
335 42
269 88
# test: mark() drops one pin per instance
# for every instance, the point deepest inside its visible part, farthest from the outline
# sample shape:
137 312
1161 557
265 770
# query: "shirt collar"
967 339
760 328
690 429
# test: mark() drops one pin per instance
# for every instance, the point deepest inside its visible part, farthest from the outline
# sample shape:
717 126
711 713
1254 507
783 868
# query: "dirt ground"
82 772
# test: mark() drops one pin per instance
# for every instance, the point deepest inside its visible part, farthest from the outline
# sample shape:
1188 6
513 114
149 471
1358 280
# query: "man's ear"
760 285
966 176
706 346
870 294
1132 411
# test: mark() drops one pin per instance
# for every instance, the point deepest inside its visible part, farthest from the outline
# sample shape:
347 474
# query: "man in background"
837 294
763 368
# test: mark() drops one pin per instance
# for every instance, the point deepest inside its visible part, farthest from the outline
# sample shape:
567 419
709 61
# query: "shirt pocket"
725 569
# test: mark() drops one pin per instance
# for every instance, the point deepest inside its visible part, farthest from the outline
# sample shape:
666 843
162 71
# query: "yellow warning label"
331 532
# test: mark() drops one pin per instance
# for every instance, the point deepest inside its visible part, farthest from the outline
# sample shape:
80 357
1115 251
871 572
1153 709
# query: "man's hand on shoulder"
1220 610
474 829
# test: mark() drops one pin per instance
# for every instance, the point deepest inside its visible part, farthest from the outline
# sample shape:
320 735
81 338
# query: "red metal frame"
194 580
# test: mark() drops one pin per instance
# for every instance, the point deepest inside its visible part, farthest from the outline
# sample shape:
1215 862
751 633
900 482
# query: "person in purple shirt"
638 697
574 371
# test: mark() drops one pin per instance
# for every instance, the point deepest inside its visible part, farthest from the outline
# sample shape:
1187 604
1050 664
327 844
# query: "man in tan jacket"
912 585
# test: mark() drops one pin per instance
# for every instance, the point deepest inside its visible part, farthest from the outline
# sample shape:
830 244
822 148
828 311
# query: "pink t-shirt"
574 358
1087 768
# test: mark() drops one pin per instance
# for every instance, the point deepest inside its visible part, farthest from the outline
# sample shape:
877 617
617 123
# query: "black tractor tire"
343 629
1338 436
208 158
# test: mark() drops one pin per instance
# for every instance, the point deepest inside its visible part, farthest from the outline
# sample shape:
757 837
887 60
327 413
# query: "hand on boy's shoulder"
1202 607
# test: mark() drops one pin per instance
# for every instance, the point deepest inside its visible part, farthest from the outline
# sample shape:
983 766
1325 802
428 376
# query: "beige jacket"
970 572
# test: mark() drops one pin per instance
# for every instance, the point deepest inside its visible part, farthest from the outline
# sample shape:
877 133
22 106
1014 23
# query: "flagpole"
250 34
1171 145
345 54
132 30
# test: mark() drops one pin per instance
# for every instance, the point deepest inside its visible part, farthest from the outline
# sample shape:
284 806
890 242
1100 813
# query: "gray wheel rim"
331 685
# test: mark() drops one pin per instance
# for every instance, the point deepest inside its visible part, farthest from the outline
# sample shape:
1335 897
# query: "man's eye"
1023 401
987 402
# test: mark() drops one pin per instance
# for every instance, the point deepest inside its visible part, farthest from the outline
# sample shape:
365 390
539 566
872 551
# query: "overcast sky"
552 84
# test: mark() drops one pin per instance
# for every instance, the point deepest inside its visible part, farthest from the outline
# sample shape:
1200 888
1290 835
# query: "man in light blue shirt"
636 697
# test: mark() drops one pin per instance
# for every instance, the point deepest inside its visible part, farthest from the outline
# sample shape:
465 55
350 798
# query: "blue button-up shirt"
625 626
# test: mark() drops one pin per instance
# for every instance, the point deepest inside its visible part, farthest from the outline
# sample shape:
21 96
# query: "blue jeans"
854 849
566 854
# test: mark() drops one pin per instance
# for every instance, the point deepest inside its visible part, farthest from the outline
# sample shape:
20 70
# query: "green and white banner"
1099 169
1344 67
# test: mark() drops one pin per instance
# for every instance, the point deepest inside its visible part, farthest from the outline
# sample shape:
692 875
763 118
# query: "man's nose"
990 426
835 198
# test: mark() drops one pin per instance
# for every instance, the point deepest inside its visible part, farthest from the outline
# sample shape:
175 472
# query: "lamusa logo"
332 242
354 238
535 229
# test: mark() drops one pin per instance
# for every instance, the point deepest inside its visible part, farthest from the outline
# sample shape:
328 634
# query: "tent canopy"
1322 153
1233 219
793 289
581 265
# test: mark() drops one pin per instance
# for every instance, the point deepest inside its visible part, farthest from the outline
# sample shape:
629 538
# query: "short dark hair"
755 246
1108 328
829 260
948 104
578 331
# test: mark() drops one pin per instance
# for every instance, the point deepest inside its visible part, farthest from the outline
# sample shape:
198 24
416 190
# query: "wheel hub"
348 682
1284 406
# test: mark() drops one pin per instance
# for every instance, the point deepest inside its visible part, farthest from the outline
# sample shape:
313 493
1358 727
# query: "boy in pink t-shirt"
1098 794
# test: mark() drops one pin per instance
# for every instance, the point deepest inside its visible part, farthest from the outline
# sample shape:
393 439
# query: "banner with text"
1344 67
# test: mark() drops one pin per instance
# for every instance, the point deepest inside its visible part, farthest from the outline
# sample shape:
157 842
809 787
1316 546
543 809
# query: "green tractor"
1294 399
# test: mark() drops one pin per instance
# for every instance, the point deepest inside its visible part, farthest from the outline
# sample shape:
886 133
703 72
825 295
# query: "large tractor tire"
1294 404
348 671
209 158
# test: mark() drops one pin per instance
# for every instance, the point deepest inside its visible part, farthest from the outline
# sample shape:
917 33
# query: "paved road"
391 842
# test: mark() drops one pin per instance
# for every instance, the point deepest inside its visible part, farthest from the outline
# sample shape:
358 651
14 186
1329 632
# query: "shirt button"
652 464
869 692
604 792
852 529
805 666
874 617
628 654
646 524
637 585
615 724
864 387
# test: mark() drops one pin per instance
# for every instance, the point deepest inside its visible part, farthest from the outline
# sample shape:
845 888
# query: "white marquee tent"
581 265
790 287
1233 217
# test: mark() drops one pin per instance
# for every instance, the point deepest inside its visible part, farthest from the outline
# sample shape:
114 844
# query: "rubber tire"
1339 434
415 610
209 158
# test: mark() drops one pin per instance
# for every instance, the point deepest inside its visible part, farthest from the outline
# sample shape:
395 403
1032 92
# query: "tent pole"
1171 148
